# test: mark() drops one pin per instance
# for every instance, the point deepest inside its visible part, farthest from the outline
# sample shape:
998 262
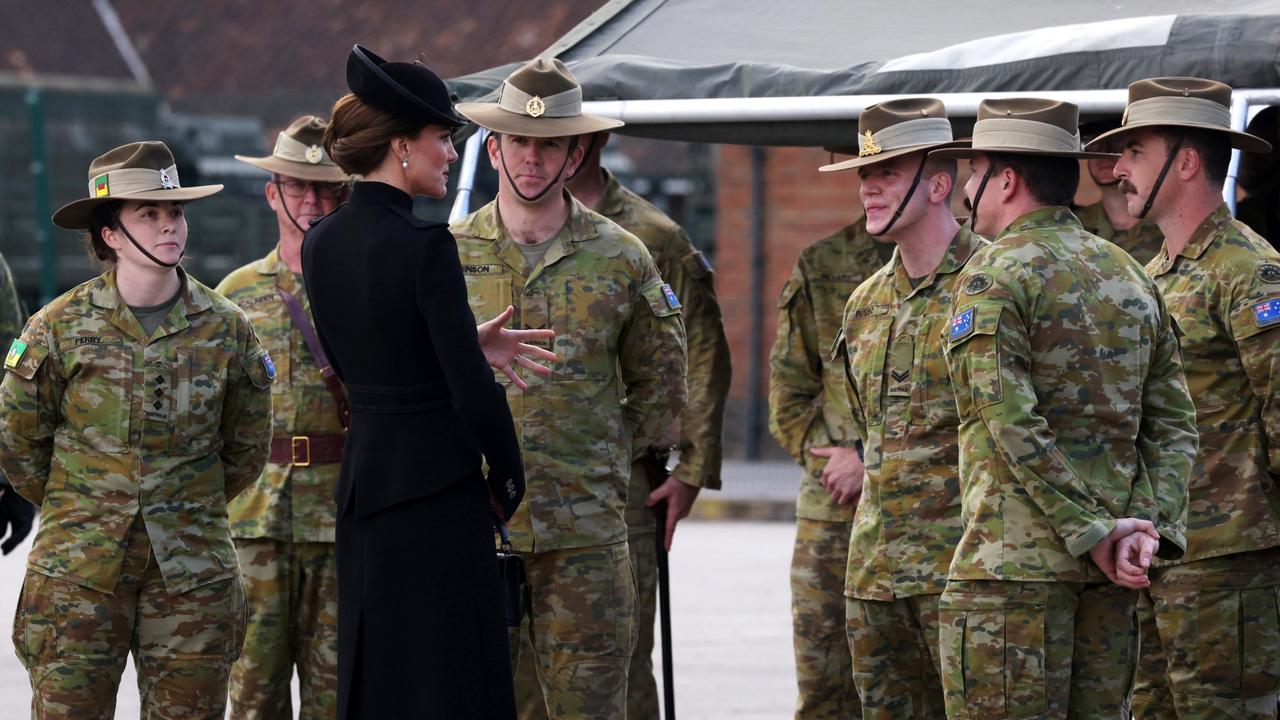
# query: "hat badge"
535 107
869 146
314 155
166 182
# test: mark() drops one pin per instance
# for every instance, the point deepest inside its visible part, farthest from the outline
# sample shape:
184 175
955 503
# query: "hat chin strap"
572 144
288 214
591 146
151 257
903 205
977 196
1168 163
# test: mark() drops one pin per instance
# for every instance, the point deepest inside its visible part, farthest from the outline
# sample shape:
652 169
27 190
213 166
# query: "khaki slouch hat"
1186 102
542 99
299 153
137 171
1025 126
898 127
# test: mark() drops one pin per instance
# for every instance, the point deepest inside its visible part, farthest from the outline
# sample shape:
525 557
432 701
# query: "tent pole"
755 408
467 174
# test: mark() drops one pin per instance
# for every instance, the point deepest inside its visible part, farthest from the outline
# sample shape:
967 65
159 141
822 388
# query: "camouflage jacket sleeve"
701 440
246 413
795 374
30 398
651 358
993 364
11 315
1167 445
1255 326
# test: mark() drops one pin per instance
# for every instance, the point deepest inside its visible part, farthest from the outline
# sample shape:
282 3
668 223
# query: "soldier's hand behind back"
16 517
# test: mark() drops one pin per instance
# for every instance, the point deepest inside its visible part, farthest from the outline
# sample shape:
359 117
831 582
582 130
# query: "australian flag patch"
1267 312
962 324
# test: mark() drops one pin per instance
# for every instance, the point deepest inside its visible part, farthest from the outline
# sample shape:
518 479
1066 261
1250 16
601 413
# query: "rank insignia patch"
1266 313
269 366
16 350
1269 273
672 301
976 283
962 324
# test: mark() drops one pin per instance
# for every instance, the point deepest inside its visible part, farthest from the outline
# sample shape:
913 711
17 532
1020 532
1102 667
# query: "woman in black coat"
420 630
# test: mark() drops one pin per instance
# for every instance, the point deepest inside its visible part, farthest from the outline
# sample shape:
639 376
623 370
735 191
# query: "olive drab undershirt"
291 503
907 523
808 403
1223 289
1073 407
617 385
100 424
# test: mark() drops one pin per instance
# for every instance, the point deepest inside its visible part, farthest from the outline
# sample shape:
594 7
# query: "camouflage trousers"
895 657
580 625
1210 632
292 589
1037 650
642 688
824 669
74 641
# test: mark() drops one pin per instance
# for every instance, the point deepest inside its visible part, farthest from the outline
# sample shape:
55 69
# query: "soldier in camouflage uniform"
133 407
284 523
1210 622
616 389
907 521
1076 433
701 425
1109 218
809 416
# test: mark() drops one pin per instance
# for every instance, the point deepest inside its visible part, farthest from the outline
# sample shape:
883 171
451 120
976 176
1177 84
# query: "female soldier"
133 407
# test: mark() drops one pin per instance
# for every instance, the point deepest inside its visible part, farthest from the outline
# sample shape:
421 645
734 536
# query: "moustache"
1127 187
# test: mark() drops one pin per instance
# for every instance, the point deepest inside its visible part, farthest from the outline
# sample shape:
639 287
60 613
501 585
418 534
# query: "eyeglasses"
294 187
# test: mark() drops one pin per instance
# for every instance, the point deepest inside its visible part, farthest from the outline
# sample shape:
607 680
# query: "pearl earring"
405 162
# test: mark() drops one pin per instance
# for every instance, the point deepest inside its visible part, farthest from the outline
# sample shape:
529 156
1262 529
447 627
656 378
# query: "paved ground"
731 617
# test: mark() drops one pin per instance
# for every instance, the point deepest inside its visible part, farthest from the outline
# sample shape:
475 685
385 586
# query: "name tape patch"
962 324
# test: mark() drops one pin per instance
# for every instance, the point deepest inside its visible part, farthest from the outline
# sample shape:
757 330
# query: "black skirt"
421 632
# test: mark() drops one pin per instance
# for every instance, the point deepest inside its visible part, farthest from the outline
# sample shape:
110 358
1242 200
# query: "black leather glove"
16 517
507 487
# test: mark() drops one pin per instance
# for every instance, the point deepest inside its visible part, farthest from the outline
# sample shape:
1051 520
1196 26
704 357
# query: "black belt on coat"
398 399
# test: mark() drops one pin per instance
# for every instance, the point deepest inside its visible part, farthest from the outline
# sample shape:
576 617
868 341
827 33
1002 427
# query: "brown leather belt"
304 450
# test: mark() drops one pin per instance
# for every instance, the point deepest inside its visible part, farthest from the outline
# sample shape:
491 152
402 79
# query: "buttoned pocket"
866 345
487 294
100 385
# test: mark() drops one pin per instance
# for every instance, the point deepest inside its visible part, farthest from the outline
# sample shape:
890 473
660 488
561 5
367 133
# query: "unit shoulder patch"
977 283
1269 273
16 350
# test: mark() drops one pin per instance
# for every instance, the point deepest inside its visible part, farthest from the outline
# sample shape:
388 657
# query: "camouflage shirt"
685 269
808 402
1073 407
1223 289
617 386
288 502
1143 241
907 522
100 425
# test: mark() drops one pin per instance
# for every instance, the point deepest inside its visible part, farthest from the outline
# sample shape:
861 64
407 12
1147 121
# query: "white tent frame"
843 107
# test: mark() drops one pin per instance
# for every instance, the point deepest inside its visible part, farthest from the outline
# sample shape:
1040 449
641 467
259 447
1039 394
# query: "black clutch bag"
511 576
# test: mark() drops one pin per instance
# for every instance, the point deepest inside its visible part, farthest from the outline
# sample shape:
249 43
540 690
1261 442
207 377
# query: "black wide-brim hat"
405 90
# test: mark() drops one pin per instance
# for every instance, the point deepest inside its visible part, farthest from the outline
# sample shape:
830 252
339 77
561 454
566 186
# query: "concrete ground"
730 611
